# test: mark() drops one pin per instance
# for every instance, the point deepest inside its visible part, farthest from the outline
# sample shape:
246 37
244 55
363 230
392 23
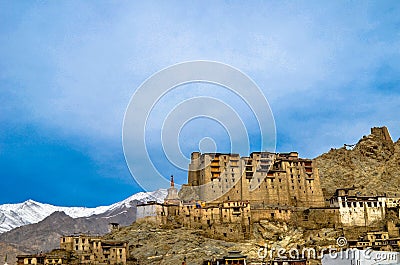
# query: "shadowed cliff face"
372 166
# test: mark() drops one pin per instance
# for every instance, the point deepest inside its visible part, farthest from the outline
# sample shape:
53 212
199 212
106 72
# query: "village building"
358 210
379 240
80 249
233 257
95 250
30 259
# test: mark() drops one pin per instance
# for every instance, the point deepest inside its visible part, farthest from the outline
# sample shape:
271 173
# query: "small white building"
361 257
151 210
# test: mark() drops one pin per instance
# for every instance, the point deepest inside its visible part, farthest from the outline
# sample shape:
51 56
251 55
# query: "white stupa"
172 197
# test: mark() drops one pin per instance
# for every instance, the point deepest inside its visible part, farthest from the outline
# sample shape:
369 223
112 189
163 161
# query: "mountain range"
30 212
33 227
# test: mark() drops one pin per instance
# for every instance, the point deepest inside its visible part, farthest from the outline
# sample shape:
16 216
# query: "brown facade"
263 178
95 250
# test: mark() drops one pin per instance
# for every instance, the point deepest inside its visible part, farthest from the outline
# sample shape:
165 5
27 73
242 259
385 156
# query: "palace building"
263 178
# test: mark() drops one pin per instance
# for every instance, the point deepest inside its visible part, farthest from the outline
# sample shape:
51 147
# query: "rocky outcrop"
151 244
372 166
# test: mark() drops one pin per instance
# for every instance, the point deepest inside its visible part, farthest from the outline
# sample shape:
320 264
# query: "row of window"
361 204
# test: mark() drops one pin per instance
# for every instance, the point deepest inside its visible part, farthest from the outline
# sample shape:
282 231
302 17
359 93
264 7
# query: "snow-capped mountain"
30 212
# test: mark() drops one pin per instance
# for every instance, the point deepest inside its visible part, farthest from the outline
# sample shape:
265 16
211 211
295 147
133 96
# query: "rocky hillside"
151 244
372 166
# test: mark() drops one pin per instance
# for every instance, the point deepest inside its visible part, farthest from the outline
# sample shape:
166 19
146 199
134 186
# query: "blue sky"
330 71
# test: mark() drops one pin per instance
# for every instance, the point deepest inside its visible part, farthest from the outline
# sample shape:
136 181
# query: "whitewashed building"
357 210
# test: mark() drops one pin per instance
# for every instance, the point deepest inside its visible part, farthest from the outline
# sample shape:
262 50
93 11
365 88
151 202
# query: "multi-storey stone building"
263 178
225 193
80 249
94 249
